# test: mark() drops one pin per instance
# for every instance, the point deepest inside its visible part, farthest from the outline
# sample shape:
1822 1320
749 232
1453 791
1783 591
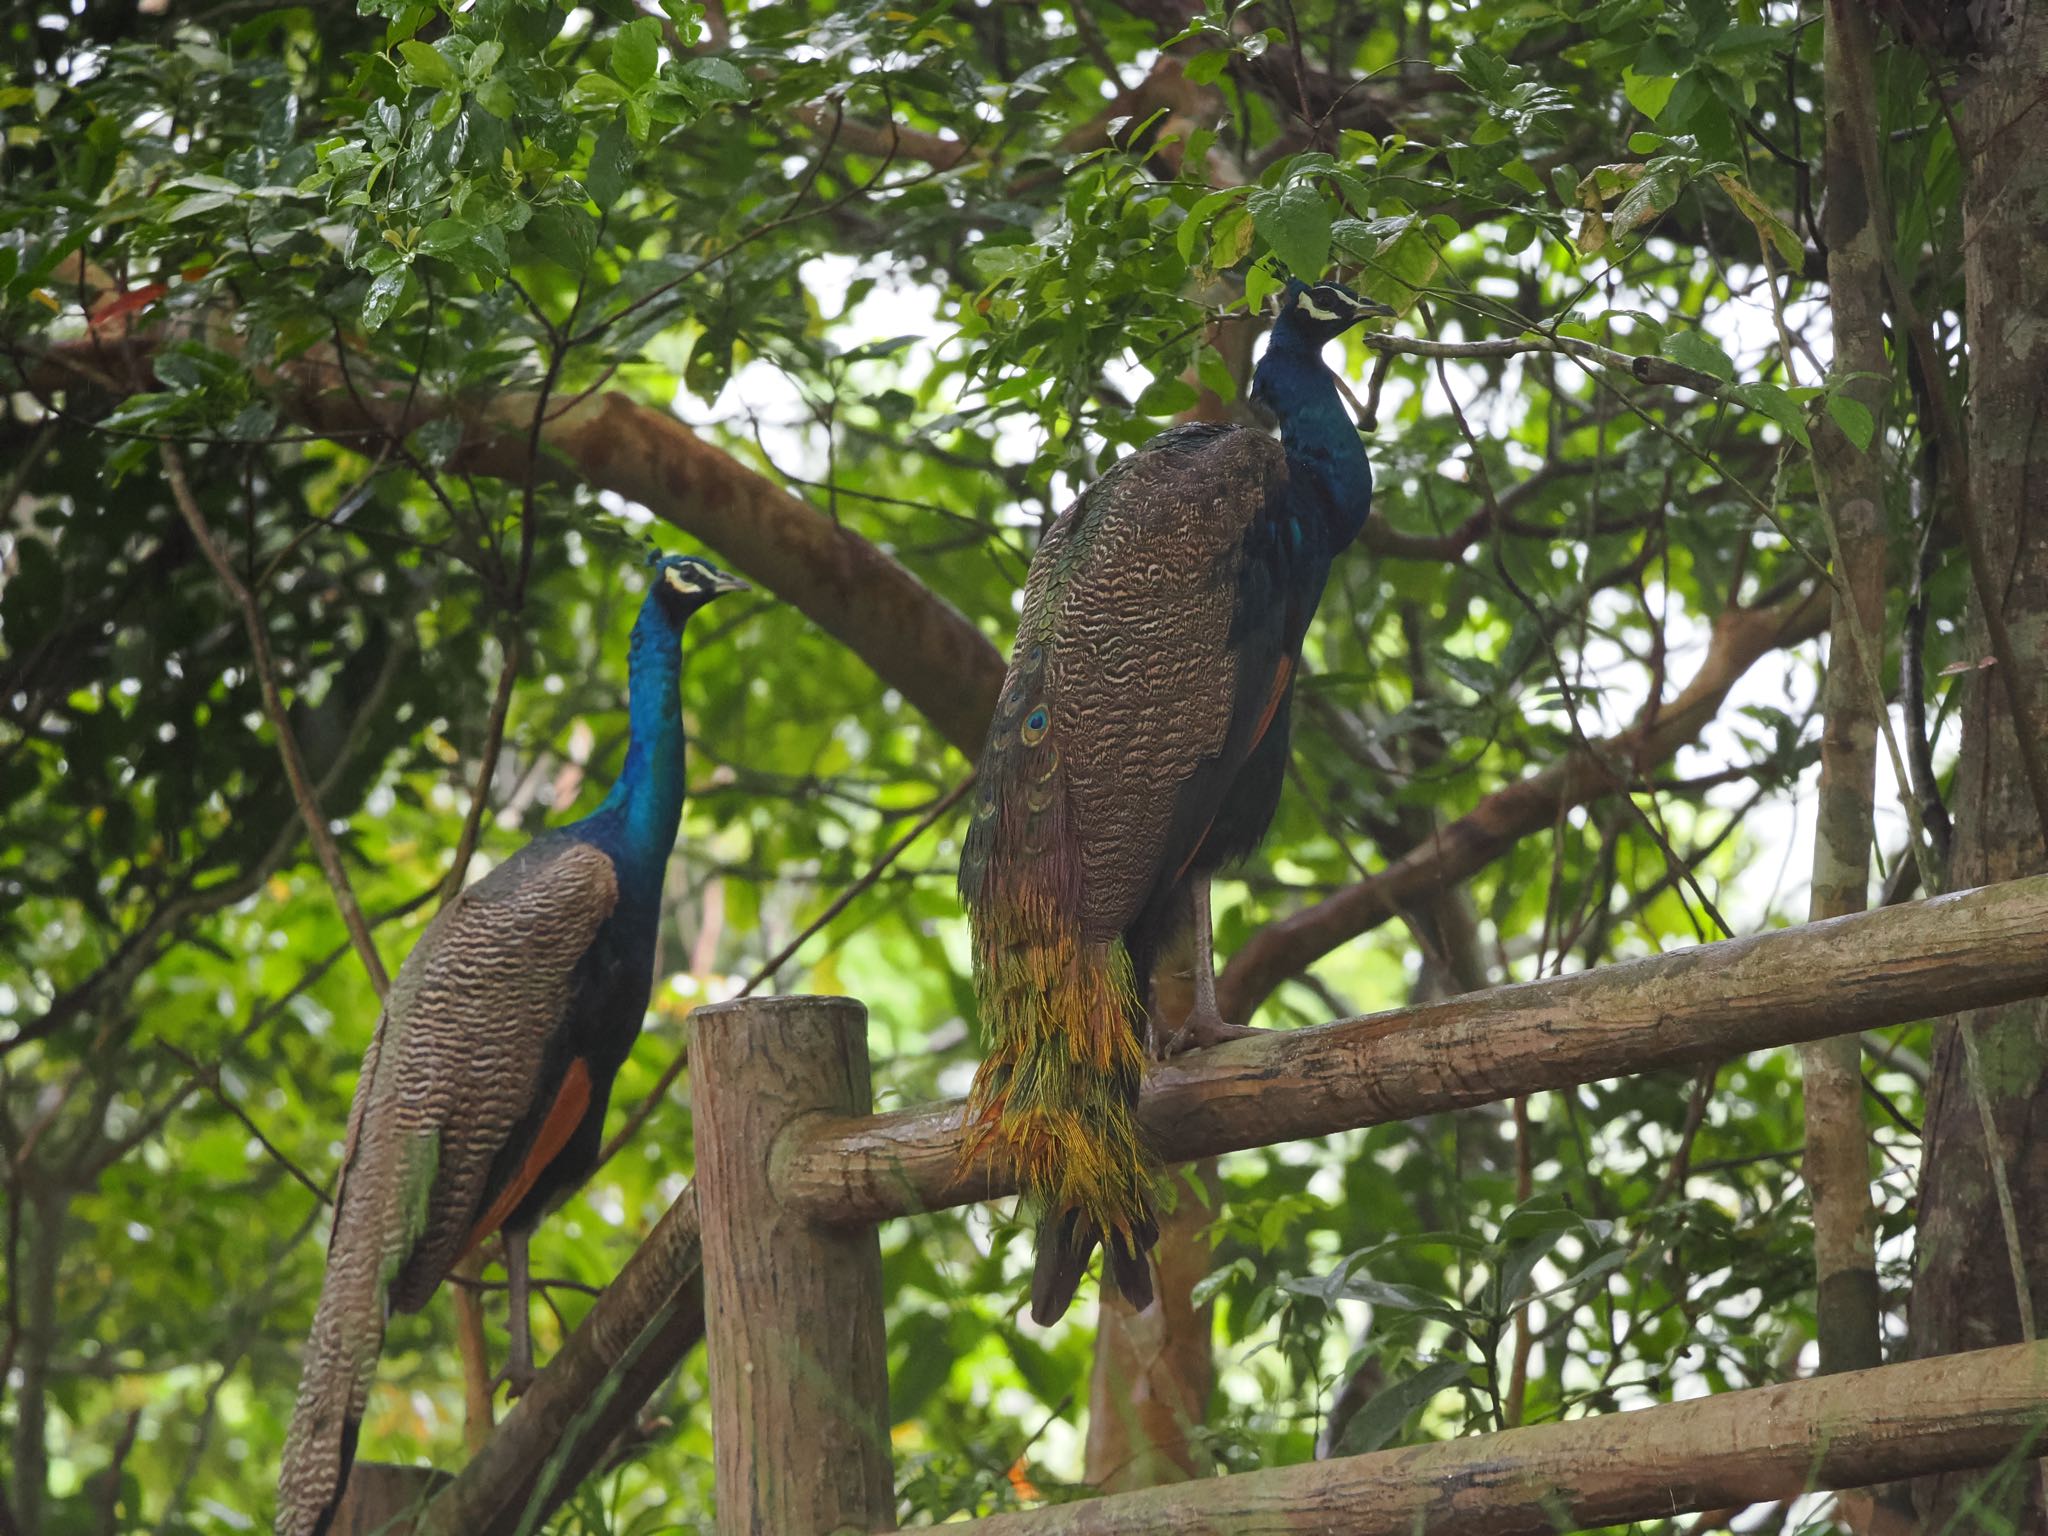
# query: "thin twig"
1644 370
844 899
208 1076
317 832
480 798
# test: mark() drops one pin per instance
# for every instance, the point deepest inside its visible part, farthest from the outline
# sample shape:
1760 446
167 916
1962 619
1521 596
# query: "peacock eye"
1034 726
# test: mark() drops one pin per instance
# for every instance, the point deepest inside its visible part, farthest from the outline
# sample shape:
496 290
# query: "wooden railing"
793 1172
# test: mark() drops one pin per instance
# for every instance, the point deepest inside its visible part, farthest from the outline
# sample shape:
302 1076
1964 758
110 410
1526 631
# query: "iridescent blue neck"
1324 455
637 822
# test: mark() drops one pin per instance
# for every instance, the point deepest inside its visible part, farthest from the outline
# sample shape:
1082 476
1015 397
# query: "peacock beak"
730 583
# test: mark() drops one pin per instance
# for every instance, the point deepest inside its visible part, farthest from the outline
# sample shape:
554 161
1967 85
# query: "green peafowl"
482 1099
1138 745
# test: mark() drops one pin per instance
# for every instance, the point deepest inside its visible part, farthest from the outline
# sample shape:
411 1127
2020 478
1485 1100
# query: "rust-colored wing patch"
563 1116
1281 675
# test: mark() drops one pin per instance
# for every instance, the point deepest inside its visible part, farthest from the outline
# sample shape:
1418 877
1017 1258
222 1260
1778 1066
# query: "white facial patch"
1315 311
675 579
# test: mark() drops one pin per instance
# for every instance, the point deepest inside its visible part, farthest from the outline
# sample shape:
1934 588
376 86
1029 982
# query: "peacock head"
1321 312
684 583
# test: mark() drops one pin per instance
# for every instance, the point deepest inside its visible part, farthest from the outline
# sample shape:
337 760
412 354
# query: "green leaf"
565 235
688 15
382 298
611 163
444 235
1771 401
636 51
1769 227
1260 285
203 202
1647 94
1690 349
497 98
1484 70
598 90
209 184
428 67
710 80
993 263
1167 395
1295 224
1205 1289
1854 418
1383 1417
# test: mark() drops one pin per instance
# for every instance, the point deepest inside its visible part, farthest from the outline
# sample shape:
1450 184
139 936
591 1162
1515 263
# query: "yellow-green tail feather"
1057 1094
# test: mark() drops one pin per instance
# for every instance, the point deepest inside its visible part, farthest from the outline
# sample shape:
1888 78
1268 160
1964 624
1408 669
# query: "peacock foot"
1203 1028
517 1376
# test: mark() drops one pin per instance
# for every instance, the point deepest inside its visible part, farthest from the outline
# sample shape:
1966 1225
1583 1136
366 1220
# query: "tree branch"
273 705
1741 638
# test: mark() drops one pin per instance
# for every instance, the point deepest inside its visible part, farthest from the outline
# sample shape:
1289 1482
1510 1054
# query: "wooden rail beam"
792 1309
1842 1431
1969 949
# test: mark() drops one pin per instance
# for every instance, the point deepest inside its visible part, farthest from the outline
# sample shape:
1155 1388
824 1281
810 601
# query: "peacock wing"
1149 648
456 1062
466 1040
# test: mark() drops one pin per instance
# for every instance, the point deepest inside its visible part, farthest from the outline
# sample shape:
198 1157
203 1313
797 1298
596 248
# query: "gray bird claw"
517 1376
1200 1030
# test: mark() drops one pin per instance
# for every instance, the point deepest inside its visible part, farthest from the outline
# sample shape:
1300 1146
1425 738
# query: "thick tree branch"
1683 1008
560 1430
1741 638
916 642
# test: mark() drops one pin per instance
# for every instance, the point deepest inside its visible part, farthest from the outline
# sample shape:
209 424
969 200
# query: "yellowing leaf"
1769 227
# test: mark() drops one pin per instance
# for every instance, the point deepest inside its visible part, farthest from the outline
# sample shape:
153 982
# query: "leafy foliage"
928 269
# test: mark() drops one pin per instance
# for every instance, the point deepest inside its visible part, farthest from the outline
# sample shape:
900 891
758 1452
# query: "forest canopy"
355 358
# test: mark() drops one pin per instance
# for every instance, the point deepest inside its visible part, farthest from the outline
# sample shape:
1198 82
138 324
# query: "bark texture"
1965 1292
1684 1008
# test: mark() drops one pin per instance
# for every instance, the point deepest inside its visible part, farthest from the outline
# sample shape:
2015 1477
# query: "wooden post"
792 1309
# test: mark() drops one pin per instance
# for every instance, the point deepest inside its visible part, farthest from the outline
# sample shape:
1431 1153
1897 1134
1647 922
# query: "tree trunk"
1965 1293
1837 1163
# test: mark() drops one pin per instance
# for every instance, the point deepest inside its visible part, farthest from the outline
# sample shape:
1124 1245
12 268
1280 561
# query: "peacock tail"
1057 1091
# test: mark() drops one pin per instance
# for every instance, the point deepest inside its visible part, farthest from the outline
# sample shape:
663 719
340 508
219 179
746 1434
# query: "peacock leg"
1205 1024
518 1373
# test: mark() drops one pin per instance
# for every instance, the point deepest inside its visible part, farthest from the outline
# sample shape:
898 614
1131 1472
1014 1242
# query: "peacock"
1138 746
482 1099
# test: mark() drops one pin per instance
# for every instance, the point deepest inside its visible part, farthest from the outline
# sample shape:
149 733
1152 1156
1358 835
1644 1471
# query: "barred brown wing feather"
455 1064
1142 674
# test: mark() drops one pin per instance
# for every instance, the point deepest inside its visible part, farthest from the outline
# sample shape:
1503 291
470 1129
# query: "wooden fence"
773 1258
